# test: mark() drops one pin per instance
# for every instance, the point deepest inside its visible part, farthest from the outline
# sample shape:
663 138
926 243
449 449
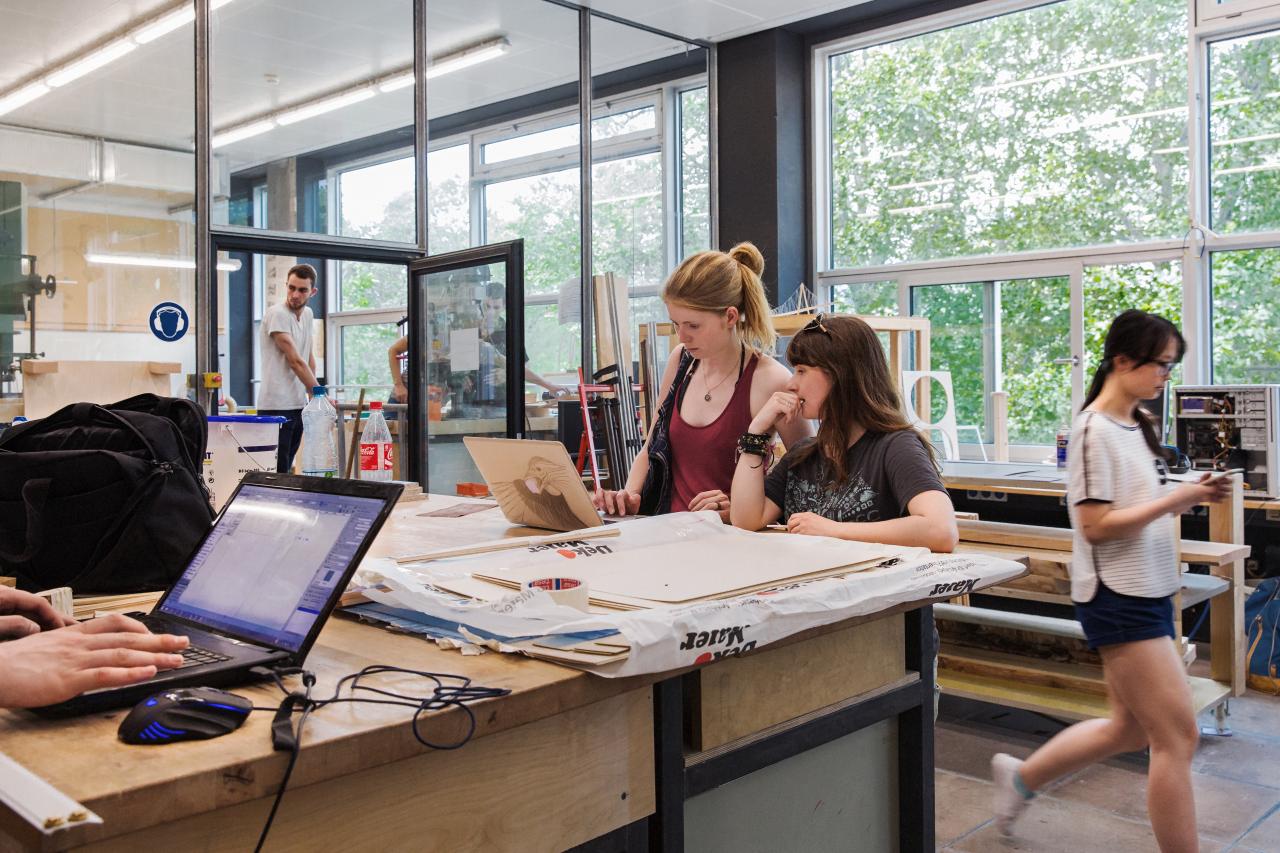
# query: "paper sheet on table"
464 350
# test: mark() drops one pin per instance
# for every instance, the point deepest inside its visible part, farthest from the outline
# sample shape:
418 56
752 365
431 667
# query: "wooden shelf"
1064 702
1195 590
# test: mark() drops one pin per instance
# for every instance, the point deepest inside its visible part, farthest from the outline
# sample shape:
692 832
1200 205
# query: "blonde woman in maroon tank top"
717 303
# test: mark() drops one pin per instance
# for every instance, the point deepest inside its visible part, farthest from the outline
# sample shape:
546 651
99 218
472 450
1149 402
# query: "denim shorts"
1112 618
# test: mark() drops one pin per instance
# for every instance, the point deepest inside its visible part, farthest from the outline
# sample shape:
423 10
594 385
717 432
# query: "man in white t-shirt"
288 363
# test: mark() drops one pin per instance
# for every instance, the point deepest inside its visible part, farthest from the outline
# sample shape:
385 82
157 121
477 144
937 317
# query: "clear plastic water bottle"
376 459
319 436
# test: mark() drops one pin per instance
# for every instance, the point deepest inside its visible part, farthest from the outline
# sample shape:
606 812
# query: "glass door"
466 358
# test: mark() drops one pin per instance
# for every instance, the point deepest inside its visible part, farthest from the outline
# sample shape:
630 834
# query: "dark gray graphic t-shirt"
886 470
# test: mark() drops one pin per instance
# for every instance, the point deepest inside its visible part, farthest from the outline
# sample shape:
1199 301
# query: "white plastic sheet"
671 637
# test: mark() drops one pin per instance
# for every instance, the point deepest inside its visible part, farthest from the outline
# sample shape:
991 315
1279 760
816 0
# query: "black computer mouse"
185 713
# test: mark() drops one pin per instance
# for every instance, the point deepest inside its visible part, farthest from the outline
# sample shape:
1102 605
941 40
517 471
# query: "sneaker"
1008 801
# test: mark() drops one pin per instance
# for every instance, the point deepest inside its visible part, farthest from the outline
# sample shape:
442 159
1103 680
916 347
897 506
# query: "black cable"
442 696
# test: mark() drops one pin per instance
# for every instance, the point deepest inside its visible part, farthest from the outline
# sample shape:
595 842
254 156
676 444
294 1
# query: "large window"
1244 132
1246 316
1058 126
1021 178
522 181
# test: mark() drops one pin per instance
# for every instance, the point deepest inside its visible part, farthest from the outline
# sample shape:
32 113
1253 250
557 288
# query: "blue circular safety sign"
169 321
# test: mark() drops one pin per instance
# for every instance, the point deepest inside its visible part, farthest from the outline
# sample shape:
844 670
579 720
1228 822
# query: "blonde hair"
716 281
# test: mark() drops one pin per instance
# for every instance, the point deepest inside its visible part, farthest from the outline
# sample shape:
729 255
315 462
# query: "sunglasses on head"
815 325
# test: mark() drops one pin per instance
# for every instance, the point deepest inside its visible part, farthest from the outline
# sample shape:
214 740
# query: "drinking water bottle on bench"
376 460
319 436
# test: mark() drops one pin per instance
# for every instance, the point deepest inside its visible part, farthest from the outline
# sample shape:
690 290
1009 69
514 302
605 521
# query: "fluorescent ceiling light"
325 105
66 72
244 131
396 81
165 24
1074 72
25 95
155 261
465 58
108 53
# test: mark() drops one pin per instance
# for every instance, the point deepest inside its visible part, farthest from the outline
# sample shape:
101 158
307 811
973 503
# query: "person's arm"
771 377
23 613
626 501
399 348
304 370
930 523
53 666
749 508
1099 522
530 376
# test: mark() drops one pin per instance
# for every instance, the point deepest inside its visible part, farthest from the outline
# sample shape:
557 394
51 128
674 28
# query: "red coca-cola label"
369 456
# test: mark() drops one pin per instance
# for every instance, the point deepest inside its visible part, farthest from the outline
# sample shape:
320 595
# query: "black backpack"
104 499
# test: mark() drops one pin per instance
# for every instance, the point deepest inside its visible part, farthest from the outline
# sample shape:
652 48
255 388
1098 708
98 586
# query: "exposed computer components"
1231 426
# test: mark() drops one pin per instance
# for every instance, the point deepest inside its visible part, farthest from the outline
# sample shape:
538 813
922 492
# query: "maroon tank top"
702 457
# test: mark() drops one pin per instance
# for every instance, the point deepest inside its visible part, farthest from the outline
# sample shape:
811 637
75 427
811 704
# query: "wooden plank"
1066 704
1195 589
1226 612
1213 553
164 367
738 697
549 785
38 367
1082 678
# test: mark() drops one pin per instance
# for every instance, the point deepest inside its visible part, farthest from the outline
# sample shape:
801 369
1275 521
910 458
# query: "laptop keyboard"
191 655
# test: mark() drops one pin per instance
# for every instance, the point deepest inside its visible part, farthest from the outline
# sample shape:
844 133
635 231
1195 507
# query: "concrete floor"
1103 808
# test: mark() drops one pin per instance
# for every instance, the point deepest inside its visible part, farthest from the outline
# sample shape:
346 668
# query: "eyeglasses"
816 325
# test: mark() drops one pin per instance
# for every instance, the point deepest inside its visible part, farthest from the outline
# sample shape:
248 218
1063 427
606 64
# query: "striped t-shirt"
1108 461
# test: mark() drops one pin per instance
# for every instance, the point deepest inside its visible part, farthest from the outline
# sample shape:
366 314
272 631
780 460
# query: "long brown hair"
1142 338
862 391
716 281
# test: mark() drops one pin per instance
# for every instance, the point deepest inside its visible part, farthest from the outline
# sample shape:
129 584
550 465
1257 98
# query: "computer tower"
1220 427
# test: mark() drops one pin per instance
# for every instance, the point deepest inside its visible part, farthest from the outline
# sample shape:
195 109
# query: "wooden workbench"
840 714
1224 588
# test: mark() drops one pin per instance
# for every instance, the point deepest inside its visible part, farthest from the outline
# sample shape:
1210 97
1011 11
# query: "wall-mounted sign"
169 321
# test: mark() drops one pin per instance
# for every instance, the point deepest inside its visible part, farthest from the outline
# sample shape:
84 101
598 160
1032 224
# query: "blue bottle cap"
318 391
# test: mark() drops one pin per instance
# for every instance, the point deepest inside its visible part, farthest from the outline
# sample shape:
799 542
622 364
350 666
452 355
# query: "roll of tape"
567 592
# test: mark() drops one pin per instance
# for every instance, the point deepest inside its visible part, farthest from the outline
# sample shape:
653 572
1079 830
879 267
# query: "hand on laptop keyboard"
53 666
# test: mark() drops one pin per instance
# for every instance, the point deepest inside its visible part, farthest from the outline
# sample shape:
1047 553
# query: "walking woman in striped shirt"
1124 573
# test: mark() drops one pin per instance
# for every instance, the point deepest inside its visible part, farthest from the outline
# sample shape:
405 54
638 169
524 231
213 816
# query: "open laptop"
535 482
261 583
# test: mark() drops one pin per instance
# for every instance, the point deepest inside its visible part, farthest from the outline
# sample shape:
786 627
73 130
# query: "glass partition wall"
357 138
97 231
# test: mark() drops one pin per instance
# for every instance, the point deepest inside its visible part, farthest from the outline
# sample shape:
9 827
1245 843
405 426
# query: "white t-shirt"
281 388
1108 461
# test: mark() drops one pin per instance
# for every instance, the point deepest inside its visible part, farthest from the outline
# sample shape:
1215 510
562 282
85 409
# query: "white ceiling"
270 53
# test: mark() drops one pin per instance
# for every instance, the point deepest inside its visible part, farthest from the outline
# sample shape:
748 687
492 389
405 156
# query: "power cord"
450 691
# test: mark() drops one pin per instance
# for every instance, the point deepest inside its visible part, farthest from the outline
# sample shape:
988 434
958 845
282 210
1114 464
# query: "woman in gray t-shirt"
868 476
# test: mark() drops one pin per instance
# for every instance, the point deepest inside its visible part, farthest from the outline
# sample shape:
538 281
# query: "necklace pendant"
707 396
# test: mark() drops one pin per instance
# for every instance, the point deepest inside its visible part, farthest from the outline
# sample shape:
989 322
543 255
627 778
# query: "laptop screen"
271 563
